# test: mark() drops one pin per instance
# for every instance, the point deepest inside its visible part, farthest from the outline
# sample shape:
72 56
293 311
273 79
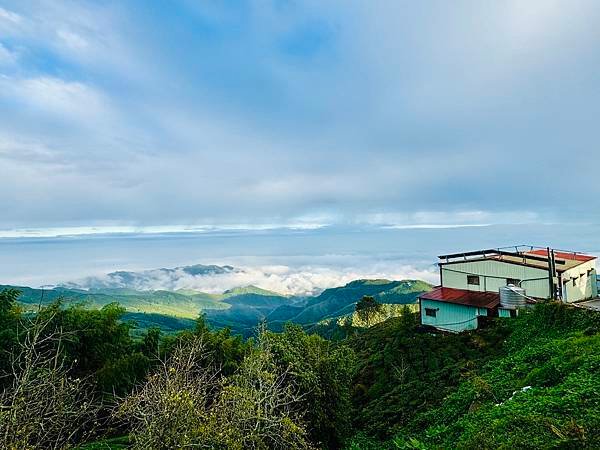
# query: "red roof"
463 297
564 255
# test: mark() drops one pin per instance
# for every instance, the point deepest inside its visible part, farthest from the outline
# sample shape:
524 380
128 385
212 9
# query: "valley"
240 308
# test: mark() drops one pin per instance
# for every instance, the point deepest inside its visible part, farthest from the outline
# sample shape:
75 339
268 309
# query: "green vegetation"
157 302
89 379
530 382
239 309
341 301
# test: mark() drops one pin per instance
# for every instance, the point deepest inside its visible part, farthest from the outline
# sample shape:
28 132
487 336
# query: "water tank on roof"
512 297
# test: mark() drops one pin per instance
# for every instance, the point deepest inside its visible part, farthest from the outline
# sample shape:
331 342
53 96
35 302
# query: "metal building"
471 283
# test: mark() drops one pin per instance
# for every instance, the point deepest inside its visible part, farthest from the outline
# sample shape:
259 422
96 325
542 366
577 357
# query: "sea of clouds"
299 281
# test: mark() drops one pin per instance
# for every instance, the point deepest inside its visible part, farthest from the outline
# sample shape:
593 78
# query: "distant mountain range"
169 279
240 308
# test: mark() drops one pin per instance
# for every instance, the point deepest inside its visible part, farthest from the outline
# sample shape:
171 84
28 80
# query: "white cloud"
414 109
9 16
55 96
35 232
302 280
448 219
7 57
73 40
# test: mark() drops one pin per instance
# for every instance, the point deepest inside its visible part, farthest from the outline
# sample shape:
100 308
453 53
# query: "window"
513 313
513 281
574 281
473 279
430 312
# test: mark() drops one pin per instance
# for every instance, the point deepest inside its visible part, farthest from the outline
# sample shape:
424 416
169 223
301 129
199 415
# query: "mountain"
341 301
240 308
248 306
249 290
157 302
170 279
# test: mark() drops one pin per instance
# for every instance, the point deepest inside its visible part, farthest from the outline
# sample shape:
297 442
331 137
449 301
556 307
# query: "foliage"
367 308
43 406
10 316
259 407
187 402
227 350
539 391
322 370
403 371
170 410
532 381
341 300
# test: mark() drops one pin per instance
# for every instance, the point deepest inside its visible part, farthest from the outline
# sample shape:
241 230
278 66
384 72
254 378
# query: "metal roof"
532 257
463 297
571 256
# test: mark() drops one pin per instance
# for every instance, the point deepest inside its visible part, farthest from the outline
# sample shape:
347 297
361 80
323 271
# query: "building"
470 283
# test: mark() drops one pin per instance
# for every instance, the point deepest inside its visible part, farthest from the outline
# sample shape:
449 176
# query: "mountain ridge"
239 308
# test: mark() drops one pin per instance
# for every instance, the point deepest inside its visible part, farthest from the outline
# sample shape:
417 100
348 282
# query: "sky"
136 115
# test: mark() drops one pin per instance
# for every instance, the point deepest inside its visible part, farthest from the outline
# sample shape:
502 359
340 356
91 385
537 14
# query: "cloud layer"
125 114
303 280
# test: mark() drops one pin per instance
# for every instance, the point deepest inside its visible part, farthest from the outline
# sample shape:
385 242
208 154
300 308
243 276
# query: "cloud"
73 40
266 112
7 57
55 96
302 280
9 16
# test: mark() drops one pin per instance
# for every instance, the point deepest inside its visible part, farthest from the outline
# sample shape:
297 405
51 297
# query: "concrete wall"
451 317
580 285
493 275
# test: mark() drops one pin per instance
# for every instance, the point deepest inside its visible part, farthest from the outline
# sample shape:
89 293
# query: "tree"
187 402
322 370
10 317
172 408
367 309
43 406
260 407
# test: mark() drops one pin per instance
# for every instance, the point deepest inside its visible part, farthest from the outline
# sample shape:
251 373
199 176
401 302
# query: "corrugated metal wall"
493 275
450 316
585 284
503 312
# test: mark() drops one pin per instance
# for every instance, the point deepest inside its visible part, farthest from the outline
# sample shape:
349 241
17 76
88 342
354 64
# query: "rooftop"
570 256
525 255
463 297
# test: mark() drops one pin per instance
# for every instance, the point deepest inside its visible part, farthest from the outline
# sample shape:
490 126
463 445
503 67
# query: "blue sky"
259 113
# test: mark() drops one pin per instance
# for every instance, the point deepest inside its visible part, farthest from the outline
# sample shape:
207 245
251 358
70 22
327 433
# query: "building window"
574 281
513 313
473 279
513 281
430 312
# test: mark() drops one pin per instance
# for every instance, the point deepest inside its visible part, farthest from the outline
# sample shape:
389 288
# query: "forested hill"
341 300
529 382
73 377
240 309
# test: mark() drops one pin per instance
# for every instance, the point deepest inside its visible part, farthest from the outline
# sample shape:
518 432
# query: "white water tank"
512 297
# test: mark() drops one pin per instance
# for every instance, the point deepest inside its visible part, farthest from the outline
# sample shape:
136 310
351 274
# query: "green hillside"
341 301
240 309
158 302
249 290
529 382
